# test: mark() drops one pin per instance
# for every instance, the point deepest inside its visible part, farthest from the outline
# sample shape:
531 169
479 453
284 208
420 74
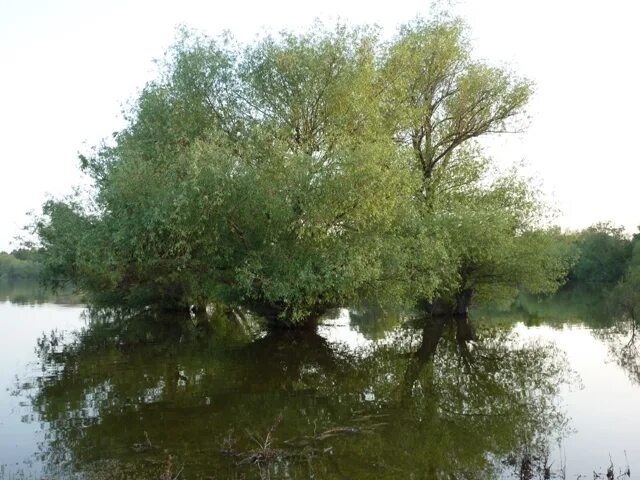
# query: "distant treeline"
607 266
21 264
606 254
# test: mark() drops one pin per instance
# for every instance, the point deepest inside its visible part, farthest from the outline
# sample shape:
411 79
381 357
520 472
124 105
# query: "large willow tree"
299 173
262 177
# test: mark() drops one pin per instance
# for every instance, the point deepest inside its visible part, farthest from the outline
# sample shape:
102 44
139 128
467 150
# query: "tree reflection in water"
430 399
623 343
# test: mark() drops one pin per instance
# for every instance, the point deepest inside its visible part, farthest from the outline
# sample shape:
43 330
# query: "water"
366 396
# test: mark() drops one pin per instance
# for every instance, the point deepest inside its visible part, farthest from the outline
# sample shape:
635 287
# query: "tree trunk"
198 308
463 301
464 330
437 308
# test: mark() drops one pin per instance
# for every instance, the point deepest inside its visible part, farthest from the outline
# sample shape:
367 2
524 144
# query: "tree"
496 241
300 173
260 178
438 102
438 98
626 294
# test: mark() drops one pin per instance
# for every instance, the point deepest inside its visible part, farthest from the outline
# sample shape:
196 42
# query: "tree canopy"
304 172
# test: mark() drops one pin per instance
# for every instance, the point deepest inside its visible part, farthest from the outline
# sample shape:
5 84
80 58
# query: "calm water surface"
366 396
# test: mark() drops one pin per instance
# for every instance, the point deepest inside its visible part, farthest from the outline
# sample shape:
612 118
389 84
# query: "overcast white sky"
68 66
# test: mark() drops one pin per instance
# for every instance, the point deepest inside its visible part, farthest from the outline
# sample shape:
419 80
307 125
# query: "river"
90 394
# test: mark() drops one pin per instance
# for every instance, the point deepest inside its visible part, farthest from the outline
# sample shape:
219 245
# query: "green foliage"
304 172
604 253
262 178
626 295
439 98
496 242
22 264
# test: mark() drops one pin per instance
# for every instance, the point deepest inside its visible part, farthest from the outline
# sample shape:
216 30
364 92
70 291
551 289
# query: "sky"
68 67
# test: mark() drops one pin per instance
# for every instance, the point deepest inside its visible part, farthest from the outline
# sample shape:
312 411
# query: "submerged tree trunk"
463 301
464 330
438 307
457 305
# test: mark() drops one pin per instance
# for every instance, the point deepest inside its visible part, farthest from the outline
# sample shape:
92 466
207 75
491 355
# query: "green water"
86 395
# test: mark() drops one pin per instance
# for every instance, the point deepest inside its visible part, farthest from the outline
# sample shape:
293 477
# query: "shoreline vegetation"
603 280
20 265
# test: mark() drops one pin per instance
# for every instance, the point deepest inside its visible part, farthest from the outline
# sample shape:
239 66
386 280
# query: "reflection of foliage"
604 285
437 400
603 288
30 292
569 307
629 359
374 323
574 306
624 347
474 396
